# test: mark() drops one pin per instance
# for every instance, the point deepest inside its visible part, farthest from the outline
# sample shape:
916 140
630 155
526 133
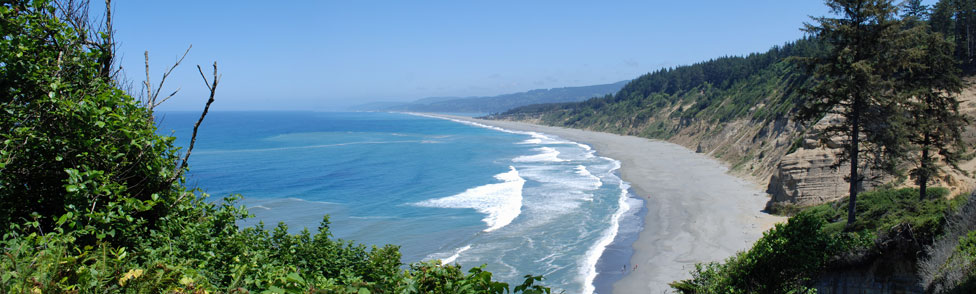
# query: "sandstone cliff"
777 154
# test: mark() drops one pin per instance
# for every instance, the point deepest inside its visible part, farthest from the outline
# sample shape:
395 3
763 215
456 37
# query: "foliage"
949 264
882 210
956 19
784 260
929 82
658 104
94 200
788 257
854 80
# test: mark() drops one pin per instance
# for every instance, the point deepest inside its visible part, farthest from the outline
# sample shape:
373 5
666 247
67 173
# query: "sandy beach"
696 212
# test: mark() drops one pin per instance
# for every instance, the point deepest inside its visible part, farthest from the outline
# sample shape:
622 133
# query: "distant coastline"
696 212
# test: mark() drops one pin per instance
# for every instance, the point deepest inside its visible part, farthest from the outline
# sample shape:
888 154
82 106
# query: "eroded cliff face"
808 177
780 155
813 174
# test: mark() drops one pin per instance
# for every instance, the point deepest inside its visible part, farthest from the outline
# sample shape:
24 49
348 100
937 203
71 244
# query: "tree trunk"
923 176
854 180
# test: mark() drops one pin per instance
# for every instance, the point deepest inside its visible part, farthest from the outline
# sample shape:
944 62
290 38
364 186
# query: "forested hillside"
710 106
718 90
500 103
739 109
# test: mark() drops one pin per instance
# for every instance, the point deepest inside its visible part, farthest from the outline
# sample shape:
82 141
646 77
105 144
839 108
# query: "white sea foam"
537 138
587 268
594 253
457 254
595 181
502 202
589 154
471 123
309 201
546 139
548 154
561 177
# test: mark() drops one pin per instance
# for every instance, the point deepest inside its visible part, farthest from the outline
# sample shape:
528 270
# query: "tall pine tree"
915 9
929 81
854 79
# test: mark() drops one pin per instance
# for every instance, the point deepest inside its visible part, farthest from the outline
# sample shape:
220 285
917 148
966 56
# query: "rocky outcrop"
812 174
808 177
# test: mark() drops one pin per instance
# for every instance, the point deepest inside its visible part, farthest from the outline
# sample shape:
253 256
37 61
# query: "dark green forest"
718 90
95 201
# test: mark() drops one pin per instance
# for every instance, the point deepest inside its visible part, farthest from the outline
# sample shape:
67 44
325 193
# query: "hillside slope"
736 109
500 103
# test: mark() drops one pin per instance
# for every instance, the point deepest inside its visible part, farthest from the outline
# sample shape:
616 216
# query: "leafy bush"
789 256
784 260
883 209
94 200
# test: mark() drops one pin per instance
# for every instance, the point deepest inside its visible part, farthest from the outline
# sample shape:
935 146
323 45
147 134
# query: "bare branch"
212 86
205 81
167 97
170 70
146 82
152 96
108 44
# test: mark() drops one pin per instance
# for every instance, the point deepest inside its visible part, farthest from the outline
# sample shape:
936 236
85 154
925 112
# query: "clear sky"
322 55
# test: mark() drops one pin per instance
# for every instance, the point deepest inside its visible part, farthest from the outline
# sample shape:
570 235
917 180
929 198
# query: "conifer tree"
854 79
940 18
929 83
915 9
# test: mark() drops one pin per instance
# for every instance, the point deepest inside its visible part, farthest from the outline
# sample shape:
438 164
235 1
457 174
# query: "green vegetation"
755 87
949 264
882 210
95 201
790 257
784 260
854 80
893 81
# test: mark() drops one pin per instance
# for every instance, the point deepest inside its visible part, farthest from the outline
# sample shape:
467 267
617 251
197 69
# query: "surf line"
594 253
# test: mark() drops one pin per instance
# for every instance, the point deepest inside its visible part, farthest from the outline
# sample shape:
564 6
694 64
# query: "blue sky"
323 55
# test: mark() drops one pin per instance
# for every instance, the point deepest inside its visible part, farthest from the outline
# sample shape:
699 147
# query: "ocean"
518 202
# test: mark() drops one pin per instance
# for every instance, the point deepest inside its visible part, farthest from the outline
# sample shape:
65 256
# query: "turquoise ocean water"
518 202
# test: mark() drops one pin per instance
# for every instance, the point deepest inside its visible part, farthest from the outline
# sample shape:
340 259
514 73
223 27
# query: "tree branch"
212 86
152 96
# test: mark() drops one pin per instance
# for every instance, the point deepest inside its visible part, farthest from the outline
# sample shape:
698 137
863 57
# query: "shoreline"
612 250
685 222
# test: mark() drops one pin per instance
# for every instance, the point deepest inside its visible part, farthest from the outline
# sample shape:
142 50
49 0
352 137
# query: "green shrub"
93 200
881 210
784 260
789 256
